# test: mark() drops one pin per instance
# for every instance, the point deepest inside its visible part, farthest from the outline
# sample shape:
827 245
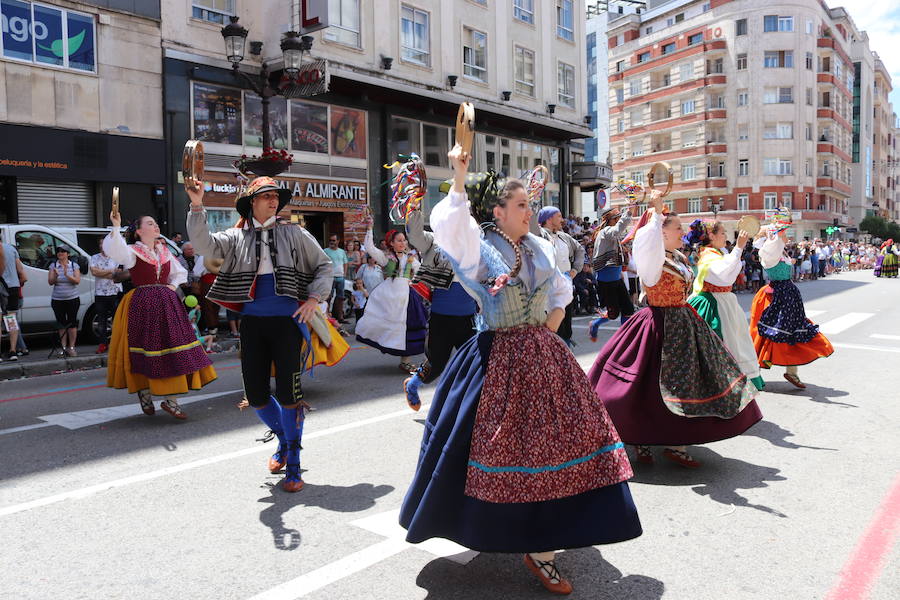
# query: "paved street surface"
99 501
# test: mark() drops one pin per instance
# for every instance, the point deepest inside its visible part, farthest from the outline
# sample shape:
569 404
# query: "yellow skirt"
120 376
323 355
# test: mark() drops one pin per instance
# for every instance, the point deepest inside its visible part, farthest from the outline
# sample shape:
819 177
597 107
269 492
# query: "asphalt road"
99 501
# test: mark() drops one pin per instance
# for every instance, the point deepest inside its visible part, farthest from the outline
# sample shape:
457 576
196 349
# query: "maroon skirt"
161 341
626 377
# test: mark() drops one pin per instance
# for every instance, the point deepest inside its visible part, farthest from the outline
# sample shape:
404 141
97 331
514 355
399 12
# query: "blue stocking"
292 420
412 390
270 414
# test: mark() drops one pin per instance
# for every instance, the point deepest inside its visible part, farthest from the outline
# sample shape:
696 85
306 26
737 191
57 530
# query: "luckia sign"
47 35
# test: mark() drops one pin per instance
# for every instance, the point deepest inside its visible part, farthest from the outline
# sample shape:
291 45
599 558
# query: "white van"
37 246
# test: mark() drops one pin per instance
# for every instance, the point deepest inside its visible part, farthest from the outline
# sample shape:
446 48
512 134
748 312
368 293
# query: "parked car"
37 246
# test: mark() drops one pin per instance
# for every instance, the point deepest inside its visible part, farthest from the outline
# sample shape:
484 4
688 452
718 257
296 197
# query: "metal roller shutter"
68 203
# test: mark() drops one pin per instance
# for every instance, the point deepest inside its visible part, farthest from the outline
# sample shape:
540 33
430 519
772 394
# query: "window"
405 136
634 87
809 132
688 138
566 84
778 131
525 74
777 166
715 66
214 11
688 172
637 117
809 27
743 98
787 199
620 95
38 249
343 22
770 23
620 126
436 141
644 56
740 27
770 200
668 48
687 107
785 23
686 71
565 20
620 66
47 35
743 132
743 202
809 61
744 167
695 39
785 95
809 96
706 6
695 205
648 30
778 59
637 177
742 61
523 10
679 17
474 54
415 39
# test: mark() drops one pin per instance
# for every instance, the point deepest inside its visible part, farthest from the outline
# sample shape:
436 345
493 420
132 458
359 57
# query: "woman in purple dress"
153 350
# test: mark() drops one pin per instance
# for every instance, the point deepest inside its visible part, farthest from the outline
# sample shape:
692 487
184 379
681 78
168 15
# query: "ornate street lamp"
292 48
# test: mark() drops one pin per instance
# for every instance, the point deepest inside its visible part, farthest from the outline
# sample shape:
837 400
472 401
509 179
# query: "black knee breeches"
266 341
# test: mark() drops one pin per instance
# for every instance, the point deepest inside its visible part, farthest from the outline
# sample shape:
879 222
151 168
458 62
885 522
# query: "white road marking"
864 347
844 322
884 336
25 428
334 571
815 313
385 524
150 475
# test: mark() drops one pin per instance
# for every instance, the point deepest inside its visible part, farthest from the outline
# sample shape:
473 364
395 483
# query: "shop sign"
321 194
311 79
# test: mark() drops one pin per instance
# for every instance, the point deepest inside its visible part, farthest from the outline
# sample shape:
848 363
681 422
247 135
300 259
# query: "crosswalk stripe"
815 313
884 336
844 322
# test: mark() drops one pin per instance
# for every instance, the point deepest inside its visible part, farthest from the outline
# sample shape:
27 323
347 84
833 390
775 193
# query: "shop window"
309 127
404 137
35 33
436 143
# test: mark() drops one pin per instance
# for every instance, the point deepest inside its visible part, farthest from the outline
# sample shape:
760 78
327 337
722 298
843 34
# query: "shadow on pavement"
354 498
814 392
505 576
718 477
777 436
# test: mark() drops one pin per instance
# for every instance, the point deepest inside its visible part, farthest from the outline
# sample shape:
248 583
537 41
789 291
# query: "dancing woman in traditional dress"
518 455
713 299
782 335
153 350
889 261
395 320
665 377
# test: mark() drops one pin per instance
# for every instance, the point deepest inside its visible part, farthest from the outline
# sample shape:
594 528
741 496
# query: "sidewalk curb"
35 368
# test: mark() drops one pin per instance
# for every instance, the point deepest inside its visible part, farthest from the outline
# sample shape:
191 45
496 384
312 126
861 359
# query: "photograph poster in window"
217 114
348 132
309 127
253 121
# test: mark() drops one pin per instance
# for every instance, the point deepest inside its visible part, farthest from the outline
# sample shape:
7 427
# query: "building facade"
752 104
80 111
397 71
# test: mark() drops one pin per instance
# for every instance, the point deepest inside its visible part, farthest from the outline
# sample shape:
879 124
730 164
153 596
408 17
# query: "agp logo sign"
47 35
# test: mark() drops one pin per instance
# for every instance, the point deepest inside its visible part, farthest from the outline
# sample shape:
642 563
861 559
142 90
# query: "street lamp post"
292 47
716 206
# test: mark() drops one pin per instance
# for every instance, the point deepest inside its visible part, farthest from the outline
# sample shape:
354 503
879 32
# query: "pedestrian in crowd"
234 323
451 319
275 273
396 319
12 279
190 262
586 301
65 275
355 256
153 350
370 273
512 402
192 304
569 255
340 261
106 294
712 297
360 296
782 335
665 377
177 239
814 260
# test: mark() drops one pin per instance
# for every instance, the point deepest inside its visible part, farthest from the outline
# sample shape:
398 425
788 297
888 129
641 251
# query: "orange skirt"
785 355
120 376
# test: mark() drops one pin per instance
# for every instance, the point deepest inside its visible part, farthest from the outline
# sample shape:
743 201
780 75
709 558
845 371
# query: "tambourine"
651 183
465 127
192 163
115 200
213 264
749 225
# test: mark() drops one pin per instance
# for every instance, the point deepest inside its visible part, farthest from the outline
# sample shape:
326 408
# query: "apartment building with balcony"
883 189
751 103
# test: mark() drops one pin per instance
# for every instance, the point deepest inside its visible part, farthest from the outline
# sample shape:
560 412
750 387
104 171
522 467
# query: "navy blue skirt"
436 506
784 321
